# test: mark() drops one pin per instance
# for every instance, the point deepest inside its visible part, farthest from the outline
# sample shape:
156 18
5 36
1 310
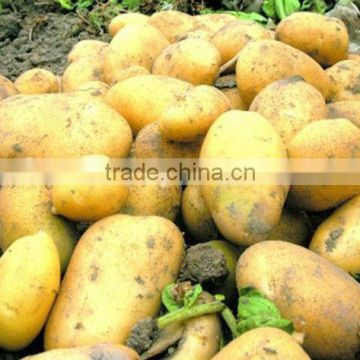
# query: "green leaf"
131 4
269 8
66 4
219 297
291 6
192 295
318 6
263 321
239 14
321 6
168 299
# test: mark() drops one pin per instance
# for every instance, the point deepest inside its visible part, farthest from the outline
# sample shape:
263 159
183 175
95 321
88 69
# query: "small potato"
189 118
349 110
227 84
231 38
131 71
7 88
151 143
329 36
265 344
196 61
290 105
36 81
138 44
197 217
214 22
336 138
29 282
87 48
337 238
120 21
114 279
93 88
172 24
263 62
153 95
345 81
153 200
301 285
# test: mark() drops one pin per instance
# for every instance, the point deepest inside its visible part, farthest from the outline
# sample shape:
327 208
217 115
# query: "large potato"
37 81
227 84
153 95
55 126
290 105
345 81
87 48
131 71
115 278
120 21
263 62
93 88
196 61
331 138
244 213
349 110
188 118
138 44
213 21
7 88
29 282
231 38
329 36
301 284
25 210
337 238
265 344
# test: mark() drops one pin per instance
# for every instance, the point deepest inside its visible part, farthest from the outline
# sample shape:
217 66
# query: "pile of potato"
168 86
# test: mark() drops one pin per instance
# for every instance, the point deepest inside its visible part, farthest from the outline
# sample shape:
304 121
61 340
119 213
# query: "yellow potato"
131 71
335 138
188 118
301 284
243 213
138 44
354 56
349 110
87 48
93 88
25 210
290 105
345 81
265 344
337 238
196 61
153 95
55 126
202 33
214 22
114 279
36 81
329 36
263 62
29 282
7 88
227 84
120 21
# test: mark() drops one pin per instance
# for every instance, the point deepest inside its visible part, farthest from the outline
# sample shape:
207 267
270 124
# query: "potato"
93 88
115 352
231 38
290 105
227 84
105 291
81 71
153 199
345 81
36 81
7 88
263 343
197 217
133 45
172 24
196 61
55 126
201 33
335 138
337 240
214 22
244 213
354 56
29 282
120 21
153 95
87 48
301 284
349 110
188 118
263 62
151 143
25 210
131 71
329 36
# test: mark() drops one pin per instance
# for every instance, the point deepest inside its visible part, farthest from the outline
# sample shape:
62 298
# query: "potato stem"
230 321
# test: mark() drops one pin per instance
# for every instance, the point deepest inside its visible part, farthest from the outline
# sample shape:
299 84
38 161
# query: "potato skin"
131 71
29 282
87 48
337 238
120 21
93 306
301 284
337 138
354 56
345 81
55 125
263 343
349 110
227 85
263 62
36 81
290 105
7 88
196 61
154 94
93 88
213 22
244 213
329 36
